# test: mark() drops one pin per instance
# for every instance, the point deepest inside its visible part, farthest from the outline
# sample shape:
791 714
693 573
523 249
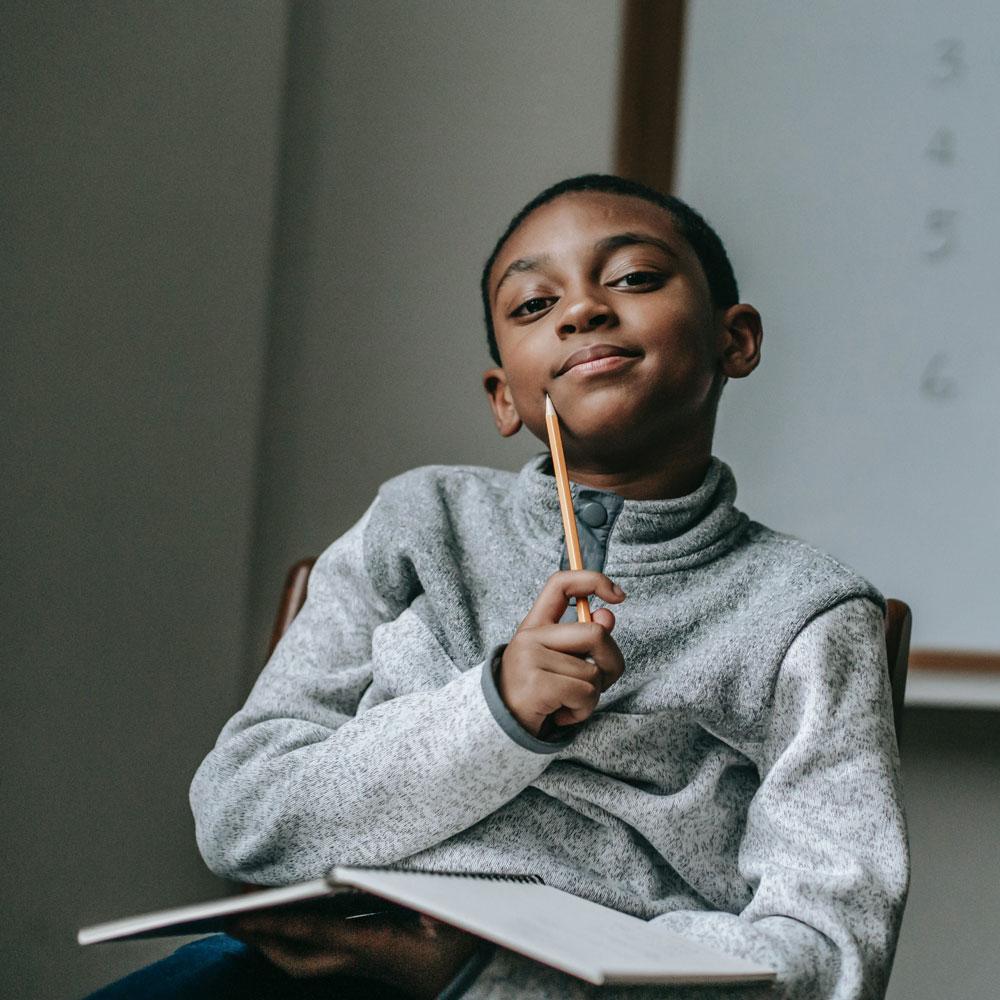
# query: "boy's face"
598 301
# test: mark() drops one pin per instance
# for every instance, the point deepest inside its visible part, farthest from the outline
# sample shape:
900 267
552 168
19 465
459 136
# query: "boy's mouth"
595 353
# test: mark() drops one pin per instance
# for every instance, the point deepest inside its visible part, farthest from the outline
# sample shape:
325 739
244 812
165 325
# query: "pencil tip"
549 408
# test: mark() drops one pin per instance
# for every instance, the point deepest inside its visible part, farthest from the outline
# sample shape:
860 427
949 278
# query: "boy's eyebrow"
518 266
634 239
605 245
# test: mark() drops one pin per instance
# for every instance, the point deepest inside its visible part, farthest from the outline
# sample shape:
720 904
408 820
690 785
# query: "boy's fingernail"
618 590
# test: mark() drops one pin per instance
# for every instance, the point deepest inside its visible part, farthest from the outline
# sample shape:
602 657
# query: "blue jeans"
222 968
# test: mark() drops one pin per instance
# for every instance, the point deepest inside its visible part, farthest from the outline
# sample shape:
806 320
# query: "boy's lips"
595 353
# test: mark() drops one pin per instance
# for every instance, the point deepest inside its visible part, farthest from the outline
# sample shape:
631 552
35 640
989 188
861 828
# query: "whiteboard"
849 155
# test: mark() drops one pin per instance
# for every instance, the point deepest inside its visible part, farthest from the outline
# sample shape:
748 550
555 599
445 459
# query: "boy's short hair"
702 238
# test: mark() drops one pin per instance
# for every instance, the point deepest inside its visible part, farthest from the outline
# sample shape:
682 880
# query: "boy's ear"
742 334
505 414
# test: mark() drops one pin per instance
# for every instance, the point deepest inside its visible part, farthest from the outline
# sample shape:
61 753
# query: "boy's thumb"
605 618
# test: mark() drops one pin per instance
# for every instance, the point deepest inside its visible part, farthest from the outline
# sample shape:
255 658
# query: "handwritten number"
949 64
935 382
941 228
942 146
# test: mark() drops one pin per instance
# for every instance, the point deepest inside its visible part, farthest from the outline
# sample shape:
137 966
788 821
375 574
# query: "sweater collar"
648 536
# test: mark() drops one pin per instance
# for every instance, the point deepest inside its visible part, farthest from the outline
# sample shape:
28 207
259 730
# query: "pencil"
565 501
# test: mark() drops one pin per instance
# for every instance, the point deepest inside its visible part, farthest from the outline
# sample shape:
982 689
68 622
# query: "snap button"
593 514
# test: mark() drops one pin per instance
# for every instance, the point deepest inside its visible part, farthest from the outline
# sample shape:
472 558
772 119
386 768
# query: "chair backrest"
898 621
293 596
897 632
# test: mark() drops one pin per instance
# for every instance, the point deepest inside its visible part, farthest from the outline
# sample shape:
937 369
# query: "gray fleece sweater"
739 783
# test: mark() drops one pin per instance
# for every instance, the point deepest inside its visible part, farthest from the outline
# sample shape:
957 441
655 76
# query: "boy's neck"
659 480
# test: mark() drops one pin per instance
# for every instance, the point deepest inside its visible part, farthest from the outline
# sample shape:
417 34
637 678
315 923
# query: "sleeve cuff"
563 736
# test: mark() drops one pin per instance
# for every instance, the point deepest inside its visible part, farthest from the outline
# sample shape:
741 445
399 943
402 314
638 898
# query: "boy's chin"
598 416
592 430
617 430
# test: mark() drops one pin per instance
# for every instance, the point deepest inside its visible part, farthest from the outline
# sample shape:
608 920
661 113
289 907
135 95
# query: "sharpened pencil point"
549 408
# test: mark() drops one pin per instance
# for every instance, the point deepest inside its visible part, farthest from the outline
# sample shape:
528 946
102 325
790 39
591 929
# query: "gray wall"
137 177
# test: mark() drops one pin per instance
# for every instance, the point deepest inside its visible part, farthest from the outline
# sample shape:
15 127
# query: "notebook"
519 912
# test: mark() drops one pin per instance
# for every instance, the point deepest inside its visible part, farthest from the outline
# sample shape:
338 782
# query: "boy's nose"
586 314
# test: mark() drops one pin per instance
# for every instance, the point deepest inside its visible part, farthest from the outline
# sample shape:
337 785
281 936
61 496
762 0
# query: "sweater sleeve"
824 849
361 743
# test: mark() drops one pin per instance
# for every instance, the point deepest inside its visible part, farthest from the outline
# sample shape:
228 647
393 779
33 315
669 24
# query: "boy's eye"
635 278
531 306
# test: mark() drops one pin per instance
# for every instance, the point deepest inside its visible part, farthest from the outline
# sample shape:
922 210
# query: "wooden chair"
898 621
292 598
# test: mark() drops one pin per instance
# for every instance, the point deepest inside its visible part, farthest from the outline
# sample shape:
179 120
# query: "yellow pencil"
565 501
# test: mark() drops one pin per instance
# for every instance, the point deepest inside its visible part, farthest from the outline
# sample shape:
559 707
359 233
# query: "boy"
717 755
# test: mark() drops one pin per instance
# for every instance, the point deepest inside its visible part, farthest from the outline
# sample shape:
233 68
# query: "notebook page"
556 928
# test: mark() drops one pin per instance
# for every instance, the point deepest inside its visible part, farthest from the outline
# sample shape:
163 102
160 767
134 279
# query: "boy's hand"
419 957
544 672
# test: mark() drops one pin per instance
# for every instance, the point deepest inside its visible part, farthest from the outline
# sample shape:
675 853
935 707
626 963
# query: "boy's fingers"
580 638
300 960
560 587
289 924
604 618
577 696
603 666
308 927
570 716
565 665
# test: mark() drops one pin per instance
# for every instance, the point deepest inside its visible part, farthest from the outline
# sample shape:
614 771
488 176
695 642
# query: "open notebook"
519 912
